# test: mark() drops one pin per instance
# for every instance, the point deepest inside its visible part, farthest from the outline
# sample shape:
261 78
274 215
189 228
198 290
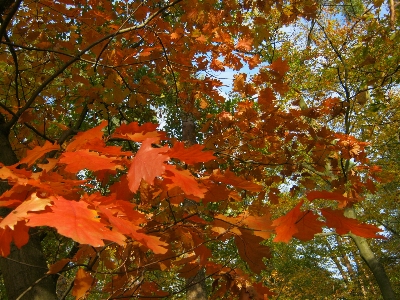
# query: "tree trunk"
338 264
372 262
23 269
197 291
196 285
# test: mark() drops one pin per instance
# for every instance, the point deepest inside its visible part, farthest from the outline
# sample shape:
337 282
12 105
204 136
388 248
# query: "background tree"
343 54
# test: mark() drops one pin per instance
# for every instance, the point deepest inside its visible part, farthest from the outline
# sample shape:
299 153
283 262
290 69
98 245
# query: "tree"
118 208
356 61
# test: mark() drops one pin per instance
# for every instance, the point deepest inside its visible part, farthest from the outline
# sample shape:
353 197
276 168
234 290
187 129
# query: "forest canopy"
199 149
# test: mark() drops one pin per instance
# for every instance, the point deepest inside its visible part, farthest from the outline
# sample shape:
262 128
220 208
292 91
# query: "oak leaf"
82 283
230 178
328 196
262 225
251 251
58 266
245 44
20 213
131 230
147 164
136 133
191 155
19 235
279 66
185 180
343 225
217 65
307 226
37 152
82 138
285 226
75 220
85 159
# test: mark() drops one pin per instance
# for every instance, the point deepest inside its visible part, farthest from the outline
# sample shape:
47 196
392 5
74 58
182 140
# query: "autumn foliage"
135 200
122 221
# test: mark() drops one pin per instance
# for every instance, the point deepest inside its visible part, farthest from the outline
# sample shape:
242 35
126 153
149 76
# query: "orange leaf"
230 178
82 283
147 164
328 196
336 219
84 159
58 266
82 138
20 213
136 133
19 235
185 180
191 155
262 226
73 219
38 152
217 65
129 229
280 66
307 226
239 82
286 225
251 251
245 44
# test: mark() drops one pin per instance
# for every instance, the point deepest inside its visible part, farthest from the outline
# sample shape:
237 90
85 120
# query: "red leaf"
38 152
58 266
216 193
6 236
19 235
307 226
191 155
84 159
336 219
185 180
73 219
286 225
147 164
230 178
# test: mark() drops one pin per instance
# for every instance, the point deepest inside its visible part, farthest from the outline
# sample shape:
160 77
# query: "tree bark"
197 291
24 269
372 262
196 285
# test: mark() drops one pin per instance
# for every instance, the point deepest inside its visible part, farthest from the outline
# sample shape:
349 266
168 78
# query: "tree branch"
36 93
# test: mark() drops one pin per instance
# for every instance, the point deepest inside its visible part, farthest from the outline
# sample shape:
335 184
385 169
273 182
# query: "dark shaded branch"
8 18
169 66
15 59
37 132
